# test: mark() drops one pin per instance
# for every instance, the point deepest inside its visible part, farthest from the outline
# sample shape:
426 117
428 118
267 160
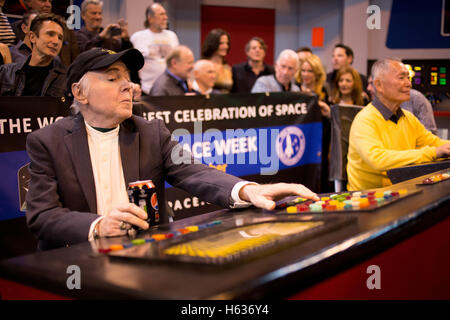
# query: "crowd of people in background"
36 51
171 69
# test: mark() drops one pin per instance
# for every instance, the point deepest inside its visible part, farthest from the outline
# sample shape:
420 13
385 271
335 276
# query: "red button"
302 208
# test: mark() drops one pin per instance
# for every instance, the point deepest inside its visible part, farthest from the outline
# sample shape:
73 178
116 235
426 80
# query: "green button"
138 242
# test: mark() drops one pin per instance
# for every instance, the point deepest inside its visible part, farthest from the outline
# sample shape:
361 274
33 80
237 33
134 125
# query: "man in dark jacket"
70 49
81 165
173 82
42 74
114 37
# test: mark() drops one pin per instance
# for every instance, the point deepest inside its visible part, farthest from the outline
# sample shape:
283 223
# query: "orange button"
159 236
116 247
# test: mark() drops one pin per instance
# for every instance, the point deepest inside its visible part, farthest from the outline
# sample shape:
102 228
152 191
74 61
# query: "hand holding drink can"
143 194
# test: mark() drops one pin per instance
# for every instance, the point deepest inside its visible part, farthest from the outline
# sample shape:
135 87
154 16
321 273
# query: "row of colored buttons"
158 237
357 200
437 178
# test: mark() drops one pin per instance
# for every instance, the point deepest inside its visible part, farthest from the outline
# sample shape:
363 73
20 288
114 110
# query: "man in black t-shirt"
245 74
42 74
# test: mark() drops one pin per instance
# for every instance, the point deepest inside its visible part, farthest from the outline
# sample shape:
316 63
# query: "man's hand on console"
443 151
264 196
120 218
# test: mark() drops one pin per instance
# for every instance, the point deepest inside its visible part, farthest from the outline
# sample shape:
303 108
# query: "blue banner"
256 151
13 184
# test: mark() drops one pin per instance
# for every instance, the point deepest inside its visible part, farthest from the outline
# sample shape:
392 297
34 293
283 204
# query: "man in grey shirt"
283 80
418 105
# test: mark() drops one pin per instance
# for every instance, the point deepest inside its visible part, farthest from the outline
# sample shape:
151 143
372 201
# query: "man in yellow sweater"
383 136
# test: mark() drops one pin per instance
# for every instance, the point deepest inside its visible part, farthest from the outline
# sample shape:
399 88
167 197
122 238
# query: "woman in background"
215 48
311 78
348 88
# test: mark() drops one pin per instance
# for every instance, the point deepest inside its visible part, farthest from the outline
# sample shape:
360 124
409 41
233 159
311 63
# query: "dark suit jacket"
166 85
61 201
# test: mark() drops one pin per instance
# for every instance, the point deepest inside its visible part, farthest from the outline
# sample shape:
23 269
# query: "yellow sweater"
376 145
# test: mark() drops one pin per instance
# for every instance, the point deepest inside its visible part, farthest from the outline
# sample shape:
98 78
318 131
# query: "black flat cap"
100 58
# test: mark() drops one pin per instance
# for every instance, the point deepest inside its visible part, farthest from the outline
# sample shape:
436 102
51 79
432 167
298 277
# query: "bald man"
173 82
204 77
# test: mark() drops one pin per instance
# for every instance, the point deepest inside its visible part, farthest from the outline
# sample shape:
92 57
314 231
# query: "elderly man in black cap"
81 165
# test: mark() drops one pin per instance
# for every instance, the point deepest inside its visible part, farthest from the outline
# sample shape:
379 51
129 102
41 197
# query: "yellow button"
363 200
192 228
333 202
291 209
379 194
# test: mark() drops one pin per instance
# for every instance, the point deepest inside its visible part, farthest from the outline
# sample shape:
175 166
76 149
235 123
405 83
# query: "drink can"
143 194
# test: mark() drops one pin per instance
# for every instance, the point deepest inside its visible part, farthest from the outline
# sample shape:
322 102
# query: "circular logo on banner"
290 145
154 201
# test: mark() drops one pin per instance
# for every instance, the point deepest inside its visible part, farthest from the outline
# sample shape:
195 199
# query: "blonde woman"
311 78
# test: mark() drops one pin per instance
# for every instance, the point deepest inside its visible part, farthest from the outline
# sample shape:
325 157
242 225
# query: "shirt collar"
197 88
248 67
21 45
174 76
96 131
386 112
282 86
182 82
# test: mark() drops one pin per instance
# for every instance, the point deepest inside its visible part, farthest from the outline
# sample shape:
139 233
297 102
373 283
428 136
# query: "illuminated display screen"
438 76
417 79
429 77
240 240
